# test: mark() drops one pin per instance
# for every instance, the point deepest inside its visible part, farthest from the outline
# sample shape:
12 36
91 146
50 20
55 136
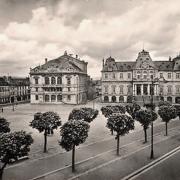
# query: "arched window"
59 98
59 80
121 98
53 98
53 80
113 98
169 99
46 80
106 99
46 98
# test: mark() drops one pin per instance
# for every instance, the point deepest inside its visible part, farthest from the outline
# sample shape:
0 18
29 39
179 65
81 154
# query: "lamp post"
152 108
152 148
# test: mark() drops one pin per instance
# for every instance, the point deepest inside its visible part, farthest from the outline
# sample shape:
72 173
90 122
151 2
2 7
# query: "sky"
32 30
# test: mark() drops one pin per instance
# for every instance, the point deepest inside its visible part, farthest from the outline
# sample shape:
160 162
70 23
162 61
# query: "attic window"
176 62
167 66
147 58
129 67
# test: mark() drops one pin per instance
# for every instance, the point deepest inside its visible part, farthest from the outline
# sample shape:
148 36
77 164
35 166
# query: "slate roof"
14 81
61 62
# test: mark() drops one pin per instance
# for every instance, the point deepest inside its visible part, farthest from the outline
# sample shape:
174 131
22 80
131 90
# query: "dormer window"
121 75
105 75
169 75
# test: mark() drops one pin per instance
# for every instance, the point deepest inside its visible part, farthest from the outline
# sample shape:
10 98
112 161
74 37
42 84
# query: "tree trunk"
73 159
145 135
2 170
166 128
45 141
118 145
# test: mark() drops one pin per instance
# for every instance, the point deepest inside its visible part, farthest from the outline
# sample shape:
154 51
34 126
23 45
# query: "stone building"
127 81
14 89
61 80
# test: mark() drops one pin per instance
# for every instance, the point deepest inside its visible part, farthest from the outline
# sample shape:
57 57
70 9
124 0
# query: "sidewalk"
92 155
132 158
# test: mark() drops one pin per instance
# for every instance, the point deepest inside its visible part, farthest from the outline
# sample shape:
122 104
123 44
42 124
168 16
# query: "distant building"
14 89
127 81
61 80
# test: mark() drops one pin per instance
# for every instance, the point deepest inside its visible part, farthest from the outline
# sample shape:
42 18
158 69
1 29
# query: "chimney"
169 58
46 60
76 56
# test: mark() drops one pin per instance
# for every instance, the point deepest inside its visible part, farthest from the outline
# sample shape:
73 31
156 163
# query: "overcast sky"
32 30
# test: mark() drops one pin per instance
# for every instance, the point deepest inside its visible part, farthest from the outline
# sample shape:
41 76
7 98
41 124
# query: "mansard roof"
64 63
163 65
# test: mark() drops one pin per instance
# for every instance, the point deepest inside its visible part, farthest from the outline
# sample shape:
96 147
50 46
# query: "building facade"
128 81
61 80
14 90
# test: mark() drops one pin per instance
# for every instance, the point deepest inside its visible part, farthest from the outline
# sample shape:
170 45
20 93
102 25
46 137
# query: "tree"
4 125
13 146
132 109
108 111
145 117
167 113
73 133
85 114
164 103
44 122
122 124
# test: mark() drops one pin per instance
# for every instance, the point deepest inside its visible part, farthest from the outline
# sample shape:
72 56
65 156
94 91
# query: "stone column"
142 89
148 89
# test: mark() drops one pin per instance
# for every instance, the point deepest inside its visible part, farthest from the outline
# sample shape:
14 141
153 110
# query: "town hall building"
128 81
59 81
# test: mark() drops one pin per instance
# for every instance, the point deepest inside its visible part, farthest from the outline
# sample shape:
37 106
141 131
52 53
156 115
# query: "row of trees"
121 123
73 132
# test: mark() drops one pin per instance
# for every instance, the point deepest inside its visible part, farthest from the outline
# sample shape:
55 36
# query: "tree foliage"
85 114
110 110
13 146
122 124
43 121
73 133
164 103
167 113
132 109
4 125
145 117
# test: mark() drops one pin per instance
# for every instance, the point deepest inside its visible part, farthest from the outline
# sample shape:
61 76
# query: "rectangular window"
128 89
105 75
177 75
69 97
114 75
161 75
106 89
161 90
121 89
177 89
169 89
36 81
138 76
37 97
36 89
69 81
169 75
113 89
69 89
121 75
129 75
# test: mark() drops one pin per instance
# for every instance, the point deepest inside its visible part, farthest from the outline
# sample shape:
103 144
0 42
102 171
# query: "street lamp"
152 108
